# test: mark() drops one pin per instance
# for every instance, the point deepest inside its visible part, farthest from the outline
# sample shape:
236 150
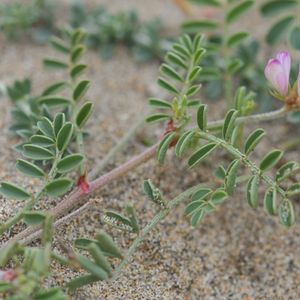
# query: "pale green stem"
252 118
159 217
255 170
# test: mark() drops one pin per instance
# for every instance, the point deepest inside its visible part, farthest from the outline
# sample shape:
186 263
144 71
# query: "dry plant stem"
60 221
75 198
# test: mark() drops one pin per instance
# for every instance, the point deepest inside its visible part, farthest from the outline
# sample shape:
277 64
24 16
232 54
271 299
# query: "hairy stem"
159 217
75 198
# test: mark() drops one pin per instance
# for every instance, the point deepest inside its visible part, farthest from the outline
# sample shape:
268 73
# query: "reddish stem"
75 198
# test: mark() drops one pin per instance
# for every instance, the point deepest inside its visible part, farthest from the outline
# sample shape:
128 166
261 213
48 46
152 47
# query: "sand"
236 253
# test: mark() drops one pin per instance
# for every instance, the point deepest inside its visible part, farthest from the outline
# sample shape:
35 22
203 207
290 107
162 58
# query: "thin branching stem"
75 197
158 218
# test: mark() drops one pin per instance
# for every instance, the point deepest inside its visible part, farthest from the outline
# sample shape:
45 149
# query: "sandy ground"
237 253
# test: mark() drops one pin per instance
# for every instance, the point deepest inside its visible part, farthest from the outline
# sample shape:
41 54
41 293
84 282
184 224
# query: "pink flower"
298 83
277 72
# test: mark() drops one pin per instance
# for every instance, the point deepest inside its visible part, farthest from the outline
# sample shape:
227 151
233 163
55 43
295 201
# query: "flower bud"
277 73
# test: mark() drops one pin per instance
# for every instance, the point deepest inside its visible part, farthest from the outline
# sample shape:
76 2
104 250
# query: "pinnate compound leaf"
84 114
270 160
69 163
13 191
253 140
270 201
58 187
201 153
29 169
252 191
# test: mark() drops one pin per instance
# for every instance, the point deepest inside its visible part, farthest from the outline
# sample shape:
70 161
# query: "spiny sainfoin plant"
54 153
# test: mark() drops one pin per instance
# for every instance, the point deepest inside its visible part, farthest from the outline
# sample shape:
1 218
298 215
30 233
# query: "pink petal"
276 75
285 60
298 83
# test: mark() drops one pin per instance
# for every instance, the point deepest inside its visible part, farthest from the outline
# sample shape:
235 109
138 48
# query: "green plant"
286 25
105 31
50 142
34 19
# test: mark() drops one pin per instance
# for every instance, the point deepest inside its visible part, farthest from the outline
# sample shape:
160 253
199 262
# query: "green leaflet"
252 141
270 160
84 114
202 117
252 191
201 153
270 201
29 169
229 124
164 146
58 187
183 142
80 90
12 191
230 177
69 163
286 213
